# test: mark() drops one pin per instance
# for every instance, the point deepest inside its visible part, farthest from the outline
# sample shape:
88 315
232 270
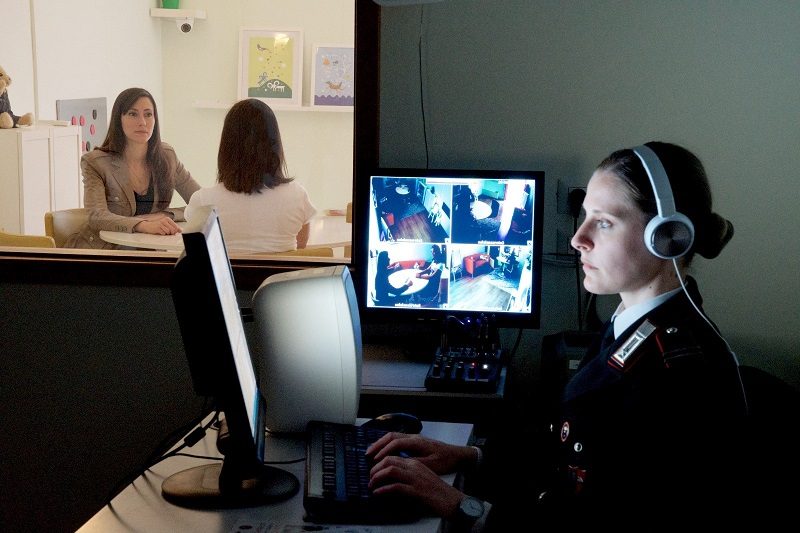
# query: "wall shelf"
198 14
226 104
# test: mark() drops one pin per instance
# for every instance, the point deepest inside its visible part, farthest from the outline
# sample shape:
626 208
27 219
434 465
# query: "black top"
144 202
659 435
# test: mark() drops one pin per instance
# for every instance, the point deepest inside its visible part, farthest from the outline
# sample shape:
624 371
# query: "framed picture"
271 66
332 76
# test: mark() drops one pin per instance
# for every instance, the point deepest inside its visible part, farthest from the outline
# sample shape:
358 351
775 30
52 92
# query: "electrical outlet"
562 196
562 242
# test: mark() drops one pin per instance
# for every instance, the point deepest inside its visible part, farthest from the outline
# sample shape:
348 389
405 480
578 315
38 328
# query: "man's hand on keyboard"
440 457
410 477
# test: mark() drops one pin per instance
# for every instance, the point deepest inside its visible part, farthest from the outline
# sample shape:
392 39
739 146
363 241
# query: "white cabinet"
39 172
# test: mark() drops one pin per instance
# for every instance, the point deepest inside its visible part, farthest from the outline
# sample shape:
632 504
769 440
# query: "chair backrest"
60 225
772 436
33 241
348 217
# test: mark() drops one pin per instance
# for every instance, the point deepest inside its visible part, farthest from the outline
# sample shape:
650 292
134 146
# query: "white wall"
83 49
16 55
90 48
556 86
87 49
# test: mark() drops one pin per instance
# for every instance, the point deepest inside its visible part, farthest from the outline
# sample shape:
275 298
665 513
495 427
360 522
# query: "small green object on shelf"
170 4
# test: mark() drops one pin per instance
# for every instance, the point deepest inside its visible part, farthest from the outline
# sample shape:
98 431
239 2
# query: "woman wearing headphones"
649 425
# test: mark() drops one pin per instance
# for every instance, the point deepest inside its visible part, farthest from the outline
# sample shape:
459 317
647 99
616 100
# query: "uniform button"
578 447
672 330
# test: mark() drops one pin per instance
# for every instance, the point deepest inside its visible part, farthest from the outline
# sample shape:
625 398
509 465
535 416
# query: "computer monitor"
451 243
210 321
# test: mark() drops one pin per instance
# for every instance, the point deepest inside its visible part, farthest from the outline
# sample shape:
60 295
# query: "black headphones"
669 234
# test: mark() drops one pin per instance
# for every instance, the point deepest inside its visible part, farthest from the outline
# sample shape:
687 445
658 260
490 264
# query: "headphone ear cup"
669 237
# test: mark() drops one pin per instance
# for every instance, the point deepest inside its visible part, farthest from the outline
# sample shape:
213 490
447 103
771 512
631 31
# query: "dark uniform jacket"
650 425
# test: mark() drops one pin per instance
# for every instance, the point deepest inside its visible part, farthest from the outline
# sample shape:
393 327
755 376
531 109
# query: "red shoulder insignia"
677 345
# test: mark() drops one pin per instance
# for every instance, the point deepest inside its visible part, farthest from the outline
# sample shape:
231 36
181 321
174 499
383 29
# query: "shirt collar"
623 318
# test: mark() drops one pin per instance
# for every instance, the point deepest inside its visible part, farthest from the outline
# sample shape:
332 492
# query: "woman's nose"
580 240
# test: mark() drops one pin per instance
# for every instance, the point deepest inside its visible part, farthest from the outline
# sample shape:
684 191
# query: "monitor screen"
210 321
461 243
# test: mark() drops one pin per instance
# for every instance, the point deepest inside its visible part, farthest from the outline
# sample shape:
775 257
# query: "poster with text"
271 66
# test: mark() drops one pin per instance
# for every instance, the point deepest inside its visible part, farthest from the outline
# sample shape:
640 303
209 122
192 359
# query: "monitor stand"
228 485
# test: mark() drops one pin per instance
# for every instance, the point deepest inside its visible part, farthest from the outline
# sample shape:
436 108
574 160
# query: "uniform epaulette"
627 355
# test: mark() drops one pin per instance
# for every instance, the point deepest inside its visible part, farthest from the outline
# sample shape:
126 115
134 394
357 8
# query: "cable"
191 439
578 279
516 345
714 329
421 92
157 455
575 202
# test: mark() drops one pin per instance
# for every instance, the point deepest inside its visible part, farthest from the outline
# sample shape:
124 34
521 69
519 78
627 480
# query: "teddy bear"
7 118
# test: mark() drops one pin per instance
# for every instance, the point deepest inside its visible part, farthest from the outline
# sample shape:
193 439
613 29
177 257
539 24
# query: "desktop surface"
141 507
394 381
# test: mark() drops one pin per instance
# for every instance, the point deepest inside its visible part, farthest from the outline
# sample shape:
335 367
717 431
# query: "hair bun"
713 236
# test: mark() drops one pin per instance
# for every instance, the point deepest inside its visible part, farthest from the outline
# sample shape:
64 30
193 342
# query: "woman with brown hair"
129 180
260 209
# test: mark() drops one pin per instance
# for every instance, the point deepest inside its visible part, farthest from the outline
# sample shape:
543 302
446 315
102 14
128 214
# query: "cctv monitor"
451 243
210 321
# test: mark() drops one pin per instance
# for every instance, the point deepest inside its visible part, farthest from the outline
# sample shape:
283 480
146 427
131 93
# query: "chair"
31 241
772 436
62 224
495 205
475 263
348 217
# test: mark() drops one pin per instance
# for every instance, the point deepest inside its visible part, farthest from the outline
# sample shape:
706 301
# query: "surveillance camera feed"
455 241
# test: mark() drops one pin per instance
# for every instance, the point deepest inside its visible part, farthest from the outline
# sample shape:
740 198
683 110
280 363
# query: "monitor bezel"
242 479
361 249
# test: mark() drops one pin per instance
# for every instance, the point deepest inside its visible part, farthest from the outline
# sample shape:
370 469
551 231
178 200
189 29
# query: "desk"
140 507
326 231
400 277
394 381
147 241
480 210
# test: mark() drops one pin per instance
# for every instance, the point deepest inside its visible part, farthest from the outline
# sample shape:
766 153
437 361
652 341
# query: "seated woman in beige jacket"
129 180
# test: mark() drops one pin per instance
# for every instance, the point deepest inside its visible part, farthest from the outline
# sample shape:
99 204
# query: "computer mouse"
400 422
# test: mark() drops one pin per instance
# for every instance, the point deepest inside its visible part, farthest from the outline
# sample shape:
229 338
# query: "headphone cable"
714 329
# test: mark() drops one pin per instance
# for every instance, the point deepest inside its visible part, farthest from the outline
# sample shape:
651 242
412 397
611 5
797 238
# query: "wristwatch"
469 510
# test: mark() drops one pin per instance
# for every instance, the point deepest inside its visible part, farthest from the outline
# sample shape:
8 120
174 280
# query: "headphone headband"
658 180
669 234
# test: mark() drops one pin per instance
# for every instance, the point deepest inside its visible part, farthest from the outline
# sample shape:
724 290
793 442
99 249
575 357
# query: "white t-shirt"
260 222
